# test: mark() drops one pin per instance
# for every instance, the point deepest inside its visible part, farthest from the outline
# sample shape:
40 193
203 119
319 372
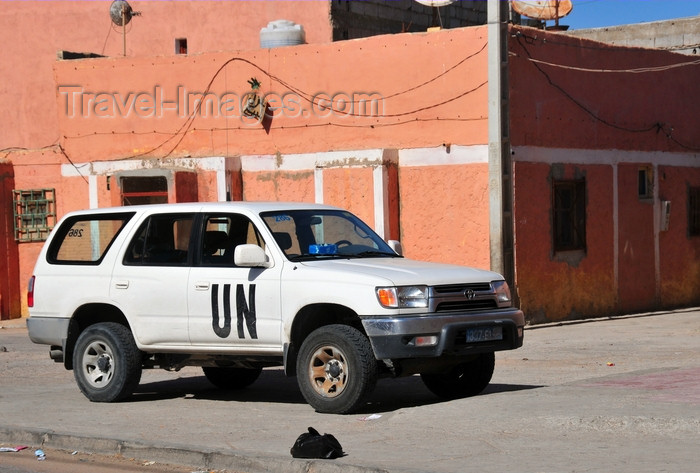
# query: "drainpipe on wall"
500 167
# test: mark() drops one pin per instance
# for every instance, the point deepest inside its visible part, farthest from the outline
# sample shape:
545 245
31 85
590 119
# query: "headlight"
502 292
404 297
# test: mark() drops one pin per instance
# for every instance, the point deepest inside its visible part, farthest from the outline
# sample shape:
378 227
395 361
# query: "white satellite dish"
435 3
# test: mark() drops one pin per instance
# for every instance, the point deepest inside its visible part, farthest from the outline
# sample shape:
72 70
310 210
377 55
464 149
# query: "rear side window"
85 239
162 240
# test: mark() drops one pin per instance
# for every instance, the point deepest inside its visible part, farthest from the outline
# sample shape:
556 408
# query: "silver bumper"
48 330
391 336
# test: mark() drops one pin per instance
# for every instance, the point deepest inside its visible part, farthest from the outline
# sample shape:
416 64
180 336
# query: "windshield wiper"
376 253
315 257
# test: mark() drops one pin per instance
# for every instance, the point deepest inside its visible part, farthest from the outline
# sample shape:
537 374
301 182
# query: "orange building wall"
637 276
445 213
556 288
293 186
570 117
561 96
430 88
680 262
31 33
350 188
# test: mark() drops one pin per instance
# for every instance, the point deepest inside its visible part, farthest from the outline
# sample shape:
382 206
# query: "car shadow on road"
274 387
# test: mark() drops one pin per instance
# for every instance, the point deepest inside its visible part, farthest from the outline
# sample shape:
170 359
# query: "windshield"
318 234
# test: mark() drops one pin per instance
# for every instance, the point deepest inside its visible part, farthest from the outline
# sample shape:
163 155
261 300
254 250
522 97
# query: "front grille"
464 297
460 288
483 304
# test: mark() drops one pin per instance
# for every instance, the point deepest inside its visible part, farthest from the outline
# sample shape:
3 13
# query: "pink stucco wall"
445 213
31 33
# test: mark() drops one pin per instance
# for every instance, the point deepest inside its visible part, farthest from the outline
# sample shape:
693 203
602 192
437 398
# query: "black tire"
231 378
464 380
106 362
336 369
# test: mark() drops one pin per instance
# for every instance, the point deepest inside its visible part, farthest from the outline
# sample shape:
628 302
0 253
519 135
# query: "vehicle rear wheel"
231 378
106 362
336 369
463 380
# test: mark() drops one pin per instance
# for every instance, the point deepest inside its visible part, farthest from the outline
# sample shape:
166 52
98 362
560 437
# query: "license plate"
484 334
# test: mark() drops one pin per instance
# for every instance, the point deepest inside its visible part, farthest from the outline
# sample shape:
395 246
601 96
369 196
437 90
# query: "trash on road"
314 445
371 417
13 449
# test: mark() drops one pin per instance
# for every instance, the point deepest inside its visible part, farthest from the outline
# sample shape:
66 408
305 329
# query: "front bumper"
390 336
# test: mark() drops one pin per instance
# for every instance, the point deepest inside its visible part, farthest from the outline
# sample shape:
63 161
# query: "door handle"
121 284
202 286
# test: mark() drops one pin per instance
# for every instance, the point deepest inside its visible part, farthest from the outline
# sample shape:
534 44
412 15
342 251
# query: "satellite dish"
120 12
544 9
435 3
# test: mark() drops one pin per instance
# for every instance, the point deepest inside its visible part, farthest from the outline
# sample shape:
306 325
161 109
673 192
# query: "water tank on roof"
281 33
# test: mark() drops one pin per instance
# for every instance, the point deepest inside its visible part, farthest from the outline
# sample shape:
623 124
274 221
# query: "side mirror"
396 246
250 256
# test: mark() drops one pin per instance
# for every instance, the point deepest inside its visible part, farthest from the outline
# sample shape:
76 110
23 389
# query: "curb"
176 454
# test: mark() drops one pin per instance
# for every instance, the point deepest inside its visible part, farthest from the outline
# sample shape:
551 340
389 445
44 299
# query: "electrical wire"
658 126
187 125
55 145
639 70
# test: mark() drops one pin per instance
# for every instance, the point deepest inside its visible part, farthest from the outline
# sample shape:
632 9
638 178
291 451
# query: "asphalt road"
612 395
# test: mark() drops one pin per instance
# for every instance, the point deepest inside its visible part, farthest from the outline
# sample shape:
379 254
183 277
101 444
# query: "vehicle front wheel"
231 378
106 362
463 380
336 369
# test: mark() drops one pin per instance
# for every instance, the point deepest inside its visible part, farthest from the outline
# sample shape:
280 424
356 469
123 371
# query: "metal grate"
34 213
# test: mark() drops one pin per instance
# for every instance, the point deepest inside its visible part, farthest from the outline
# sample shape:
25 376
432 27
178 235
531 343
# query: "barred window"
569 215
34 213
694 211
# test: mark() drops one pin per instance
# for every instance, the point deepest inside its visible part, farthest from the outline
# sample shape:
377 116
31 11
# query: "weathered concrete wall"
681 35
352 19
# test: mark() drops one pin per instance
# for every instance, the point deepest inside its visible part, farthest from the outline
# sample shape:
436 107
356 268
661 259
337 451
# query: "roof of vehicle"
254 207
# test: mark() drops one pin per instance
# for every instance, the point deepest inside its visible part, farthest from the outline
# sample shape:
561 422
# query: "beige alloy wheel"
329 371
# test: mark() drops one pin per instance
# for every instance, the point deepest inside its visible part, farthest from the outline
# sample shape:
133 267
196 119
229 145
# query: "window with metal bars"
34 213
569 215
694 211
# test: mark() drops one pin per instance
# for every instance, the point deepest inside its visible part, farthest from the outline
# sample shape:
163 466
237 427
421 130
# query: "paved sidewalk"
612 395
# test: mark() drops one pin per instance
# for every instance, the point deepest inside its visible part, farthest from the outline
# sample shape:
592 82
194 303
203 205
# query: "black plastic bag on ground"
314 445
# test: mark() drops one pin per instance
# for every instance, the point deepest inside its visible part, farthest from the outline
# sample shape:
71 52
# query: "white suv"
236 287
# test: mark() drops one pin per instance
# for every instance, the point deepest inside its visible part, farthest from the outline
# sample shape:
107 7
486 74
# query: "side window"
86 239
162 240
222 233
569 215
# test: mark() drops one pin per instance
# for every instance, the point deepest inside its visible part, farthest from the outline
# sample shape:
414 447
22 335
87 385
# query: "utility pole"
500 163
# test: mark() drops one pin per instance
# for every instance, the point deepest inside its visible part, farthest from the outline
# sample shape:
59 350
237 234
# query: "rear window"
85 239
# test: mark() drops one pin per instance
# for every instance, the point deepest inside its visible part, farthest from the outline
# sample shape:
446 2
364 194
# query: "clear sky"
599 13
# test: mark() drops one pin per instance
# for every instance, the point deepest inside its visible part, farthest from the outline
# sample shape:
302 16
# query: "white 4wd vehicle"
235 287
